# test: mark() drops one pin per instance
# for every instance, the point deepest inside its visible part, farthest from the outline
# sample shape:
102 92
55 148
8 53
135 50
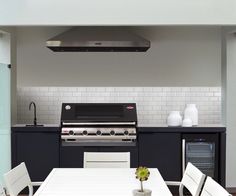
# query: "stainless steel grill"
89 123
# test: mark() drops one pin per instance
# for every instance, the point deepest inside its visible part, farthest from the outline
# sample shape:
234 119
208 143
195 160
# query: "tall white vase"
191 112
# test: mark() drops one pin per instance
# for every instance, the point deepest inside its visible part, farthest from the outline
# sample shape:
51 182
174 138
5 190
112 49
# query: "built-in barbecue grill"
98 122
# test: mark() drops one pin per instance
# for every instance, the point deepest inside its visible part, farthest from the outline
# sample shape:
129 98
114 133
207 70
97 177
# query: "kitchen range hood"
98 39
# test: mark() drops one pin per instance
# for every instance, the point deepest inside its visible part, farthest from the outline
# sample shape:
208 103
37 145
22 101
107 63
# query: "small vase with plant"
142 174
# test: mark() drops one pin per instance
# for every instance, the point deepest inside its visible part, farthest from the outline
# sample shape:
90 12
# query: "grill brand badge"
129 107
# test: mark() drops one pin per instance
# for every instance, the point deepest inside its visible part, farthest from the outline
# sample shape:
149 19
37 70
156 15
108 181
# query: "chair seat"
106 160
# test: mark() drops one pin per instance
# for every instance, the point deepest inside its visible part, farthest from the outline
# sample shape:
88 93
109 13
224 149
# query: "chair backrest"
193 180
212 188
106 159
17 179
2 191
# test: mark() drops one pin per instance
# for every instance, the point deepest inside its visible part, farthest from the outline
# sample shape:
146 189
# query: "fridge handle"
183 155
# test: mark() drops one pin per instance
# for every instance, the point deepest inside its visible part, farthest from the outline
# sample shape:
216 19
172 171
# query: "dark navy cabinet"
157 147
170 148
38 147
73 156
162 151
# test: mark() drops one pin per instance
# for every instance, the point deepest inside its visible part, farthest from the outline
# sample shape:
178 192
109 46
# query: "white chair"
2 191
193 180
17 179
212 188
106 159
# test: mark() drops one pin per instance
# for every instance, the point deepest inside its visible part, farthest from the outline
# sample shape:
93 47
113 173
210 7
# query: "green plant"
142 173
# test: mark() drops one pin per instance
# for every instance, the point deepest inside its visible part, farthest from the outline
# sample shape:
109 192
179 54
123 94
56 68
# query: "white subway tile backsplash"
153 103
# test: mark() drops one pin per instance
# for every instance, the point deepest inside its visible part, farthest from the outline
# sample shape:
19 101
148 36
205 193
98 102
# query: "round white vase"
191 112
187 122
174 119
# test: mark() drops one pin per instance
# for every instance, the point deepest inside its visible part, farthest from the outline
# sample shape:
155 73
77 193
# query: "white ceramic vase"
187 122
174 119
191 112
146 192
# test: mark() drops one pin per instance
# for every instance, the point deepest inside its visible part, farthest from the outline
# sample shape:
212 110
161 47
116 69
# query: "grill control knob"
71 132
126 132
99 132
85 132
112 132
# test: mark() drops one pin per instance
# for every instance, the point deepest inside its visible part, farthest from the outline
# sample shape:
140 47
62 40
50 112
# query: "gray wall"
229 106
179 56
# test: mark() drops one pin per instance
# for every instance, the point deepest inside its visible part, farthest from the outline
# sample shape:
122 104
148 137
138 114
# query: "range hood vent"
97 39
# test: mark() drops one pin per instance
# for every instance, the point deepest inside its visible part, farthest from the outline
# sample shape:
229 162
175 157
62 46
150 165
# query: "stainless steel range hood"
98 39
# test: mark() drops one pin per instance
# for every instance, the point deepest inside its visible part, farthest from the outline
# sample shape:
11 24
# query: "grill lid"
98 114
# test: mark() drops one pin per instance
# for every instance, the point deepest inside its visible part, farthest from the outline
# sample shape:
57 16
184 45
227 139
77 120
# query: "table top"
99 182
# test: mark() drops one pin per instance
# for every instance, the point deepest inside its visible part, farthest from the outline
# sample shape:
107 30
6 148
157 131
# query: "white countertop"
99 182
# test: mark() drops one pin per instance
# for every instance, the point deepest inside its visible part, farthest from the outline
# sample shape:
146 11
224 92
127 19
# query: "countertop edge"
215 129
141 129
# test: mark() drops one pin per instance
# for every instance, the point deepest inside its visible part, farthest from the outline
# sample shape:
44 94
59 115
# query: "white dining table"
99 182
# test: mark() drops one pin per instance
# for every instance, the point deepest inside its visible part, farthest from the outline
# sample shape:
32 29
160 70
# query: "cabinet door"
162 151
73 156
39 151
